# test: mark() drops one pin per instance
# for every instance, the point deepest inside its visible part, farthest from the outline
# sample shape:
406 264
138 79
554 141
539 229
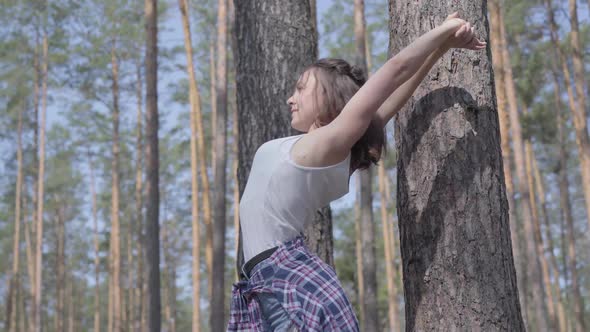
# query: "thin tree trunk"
358 246
14 284
217 317
96 247
202 160
30 264
60 313
37 323
392 308
579 117
169 280
394 245
136 318
71 299
370 321
553 267
454 226
561 315
539 245
152 240
533 263
213 88
578 305
115 259
503 117
197 147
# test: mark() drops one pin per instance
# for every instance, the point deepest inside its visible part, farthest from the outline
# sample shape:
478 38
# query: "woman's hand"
464 35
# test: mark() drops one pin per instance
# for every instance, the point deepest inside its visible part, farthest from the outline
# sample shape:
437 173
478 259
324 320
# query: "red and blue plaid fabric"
307 288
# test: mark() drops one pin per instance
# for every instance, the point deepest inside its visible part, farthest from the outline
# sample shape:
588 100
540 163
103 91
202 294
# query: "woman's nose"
290 101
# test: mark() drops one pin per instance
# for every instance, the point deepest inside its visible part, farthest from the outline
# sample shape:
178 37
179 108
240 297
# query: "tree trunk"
370 321
455 235
152 241
115 259
169 281
213 89
500 88
565 203
272 35
136 319
552 263
202 160
539 245
358 251
394 245
14 284
533 263
561 315
217 318
40 187
579 116
96 247
197 147
392 305
60 313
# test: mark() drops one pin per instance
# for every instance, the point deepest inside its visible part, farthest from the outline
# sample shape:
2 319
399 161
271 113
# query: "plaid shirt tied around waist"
307 288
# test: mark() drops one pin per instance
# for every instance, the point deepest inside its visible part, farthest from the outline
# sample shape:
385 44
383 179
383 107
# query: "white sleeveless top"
281 197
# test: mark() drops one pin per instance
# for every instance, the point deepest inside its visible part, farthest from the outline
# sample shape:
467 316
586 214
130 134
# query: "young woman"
284 286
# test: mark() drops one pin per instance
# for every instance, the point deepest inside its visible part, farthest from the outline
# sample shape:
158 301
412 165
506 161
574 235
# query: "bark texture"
454 228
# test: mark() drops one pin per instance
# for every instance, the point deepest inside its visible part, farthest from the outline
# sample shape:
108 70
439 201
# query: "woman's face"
304 102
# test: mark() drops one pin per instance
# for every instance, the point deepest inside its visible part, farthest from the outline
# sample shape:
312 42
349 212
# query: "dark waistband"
247 269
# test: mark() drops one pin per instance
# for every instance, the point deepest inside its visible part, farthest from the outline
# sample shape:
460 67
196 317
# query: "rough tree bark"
455 236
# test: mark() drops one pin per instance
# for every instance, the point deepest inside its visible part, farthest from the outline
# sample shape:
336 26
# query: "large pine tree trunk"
503 118
455 235
152 240
275 41
217 321
370 321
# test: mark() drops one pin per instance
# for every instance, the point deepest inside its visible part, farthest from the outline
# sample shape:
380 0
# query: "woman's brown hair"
338 81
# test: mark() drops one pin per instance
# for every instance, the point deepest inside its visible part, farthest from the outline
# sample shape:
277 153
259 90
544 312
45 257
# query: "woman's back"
281 196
